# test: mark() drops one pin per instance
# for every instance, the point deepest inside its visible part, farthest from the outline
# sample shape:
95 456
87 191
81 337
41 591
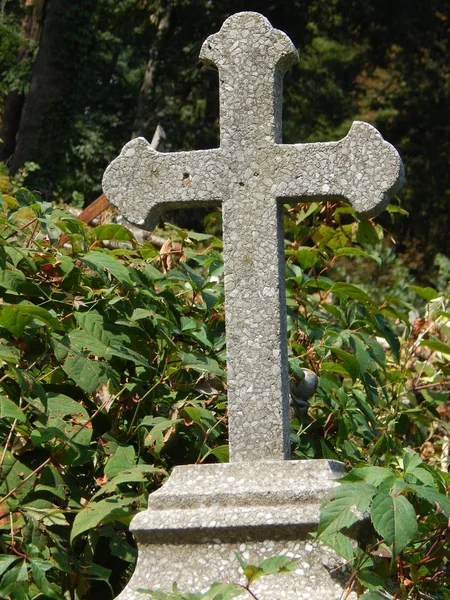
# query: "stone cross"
251 175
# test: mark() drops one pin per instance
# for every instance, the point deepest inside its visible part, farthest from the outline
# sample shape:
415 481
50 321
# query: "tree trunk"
140 125
31 32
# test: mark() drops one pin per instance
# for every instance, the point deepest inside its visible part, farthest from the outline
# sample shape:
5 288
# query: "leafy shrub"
104 363
113 370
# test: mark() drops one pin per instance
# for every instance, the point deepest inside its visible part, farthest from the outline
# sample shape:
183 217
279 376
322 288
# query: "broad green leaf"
349 362
307 257
361 353
10 410
427 293
394 518
15 317
88 374
68 420
6 561
222 453
278 564
152 273
80 341
137 474
114 231
141 313
159 425
414 466
200 416
366 233
370 580
97 326
122 460
14 582
14 475
340 543
344 290
350 503
201 363
102 262
41 581
358 252
373 475
10 354
436 345
199 237
438 500
102 511
120 547
11 280
127 354
29 385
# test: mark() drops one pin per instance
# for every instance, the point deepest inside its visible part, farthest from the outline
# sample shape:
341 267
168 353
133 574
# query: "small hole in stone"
186 176
241 183
256 174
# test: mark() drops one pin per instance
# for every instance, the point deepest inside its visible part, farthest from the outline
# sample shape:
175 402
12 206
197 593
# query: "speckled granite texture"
204 514
251 175
260 504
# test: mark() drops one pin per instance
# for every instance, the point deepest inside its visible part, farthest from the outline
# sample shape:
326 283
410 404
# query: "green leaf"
12 280
394 518
159 425
120 547
361 353
113 231
15 581
350 503
15 317
441 502
10 410
436 345
6 561
366 233
123 458
370 580
222 453
201 363
200 416
340 543
427 293
88 374
344 290
278 564
10 354
372 596
373 475
15 475
102 263
349 362
358 252
96 325
103 511
137 474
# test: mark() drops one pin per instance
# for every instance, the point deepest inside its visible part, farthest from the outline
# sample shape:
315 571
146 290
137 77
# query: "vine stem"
49 459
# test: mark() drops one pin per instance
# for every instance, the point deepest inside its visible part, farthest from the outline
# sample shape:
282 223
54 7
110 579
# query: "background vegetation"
78 79
113 358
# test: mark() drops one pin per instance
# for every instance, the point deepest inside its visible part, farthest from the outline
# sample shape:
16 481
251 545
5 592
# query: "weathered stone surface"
251 175
204 514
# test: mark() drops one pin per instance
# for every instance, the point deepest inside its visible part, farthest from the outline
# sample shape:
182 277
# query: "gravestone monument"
261 503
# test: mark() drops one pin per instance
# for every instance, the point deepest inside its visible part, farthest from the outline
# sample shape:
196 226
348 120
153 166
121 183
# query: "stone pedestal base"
205 514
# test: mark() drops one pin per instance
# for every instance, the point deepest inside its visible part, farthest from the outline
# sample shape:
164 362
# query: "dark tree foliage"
104 70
